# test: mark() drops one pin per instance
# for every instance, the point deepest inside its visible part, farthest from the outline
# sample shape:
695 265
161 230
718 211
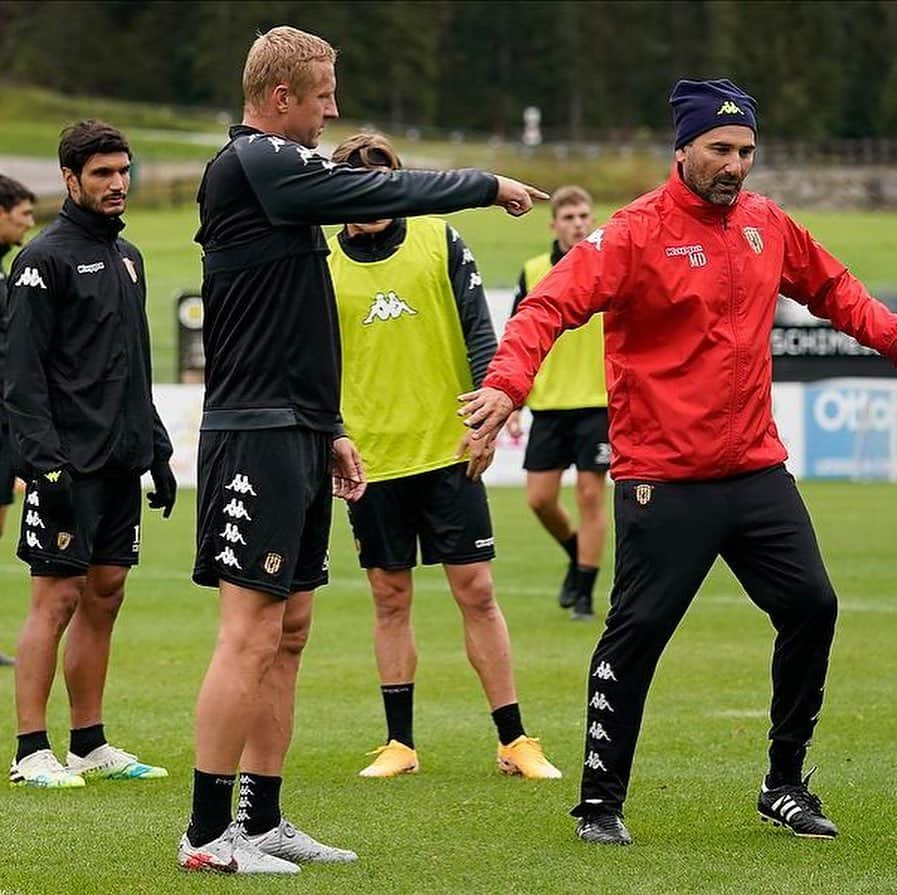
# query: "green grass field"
459 827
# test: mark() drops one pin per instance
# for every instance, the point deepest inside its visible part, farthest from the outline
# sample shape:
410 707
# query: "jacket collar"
692 203
99 226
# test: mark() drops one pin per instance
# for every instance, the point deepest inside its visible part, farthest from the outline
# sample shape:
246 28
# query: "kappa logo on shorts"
227 557
484 542
241 485
33 519
33 500
236 510
272 563
63 539
232 534
325 566
643 493
32 541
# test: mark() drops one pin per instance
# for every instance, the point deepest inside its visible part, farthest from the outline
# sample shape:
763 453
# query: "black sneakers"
582 610
603 829
795 807
567 595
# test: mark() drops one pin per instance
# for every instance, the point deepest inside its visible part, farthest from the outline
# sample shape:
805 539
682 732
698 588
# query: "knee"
295 635
540 502
476 595
822 603
254 646
590 495
58 603
106 596
392 601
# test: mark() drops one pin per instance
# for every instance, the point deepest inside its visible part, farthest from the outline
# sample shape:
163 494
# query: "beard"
718 189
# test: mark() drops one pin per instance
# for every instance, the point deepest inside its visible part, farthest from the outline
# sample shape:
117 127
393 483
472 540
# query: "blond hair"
569 195
367 150
283 55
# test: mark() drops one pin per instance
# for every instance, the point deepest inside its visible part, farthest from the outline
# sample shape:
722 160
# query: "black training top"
4 249
78 378
271 332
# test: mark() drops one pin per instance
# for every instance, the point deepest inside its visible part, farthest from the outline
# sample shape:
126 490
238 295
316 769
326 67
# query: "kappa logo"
325 566
466 256
30 276
227 557
387 306
232 534
484 542
236 510
32 541
594 762
32 499
475 280
696 255
33 519
604 672
96 267
729 108
63 539
272 563
643 493
241 485
597 732
755 240
599 701
596 238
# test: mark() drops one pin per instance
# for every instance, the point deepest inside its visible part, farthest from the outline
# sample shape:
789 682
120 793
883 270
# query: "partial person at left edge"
79 403
16 219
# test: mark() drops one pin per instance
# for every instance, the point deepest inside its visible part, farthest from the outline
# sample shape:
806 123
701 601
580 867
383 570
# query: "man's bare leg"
543 492
261 765
87 645
485 632
53 603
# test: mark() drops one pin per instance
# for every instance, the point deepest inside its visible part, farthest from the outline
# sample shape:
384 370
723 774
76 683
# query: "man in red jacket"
687 278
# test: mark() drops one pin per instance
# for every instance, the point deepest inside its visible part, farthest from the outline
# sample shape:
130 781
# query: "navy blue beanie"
700 106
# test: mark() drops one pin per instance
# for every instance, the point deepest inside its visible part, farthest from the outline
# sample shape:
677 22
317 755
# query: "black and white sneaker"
603 829
567 595
793 806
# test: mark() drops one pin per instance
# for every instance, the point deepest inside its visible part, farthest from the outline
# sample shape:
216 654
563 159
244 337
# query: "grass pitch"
460 827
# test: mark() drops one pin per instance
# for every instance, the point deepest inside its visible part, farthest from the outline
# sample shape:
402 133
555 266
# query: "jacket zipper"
730 441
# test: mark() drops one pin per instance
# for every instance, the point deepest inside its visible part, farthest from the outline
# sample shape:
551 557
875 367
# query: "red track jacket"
688 290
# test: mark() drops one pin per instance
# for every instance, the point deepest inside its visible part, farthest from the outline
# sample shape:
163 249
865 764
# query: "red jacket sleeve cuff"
496 380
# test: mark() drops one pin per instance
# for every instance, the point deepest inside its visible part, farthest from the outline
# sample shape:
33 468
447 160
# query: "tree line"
819 69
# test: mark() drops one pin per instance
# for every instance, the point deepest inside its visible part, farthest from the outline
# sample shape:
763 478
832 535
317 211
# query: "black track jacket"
78 378
271 332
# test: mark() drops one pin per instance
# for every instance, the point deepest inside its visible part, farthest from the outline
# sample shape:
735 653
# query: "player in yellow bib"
569 406
416 332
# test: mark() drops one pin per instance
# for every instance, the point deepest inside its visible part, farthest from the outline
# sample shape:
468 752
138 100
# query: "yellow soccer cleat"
392 759
525 757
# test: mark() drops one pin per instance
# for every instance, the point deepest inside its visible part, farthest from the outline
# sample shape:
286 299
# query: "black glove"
54 491
166 488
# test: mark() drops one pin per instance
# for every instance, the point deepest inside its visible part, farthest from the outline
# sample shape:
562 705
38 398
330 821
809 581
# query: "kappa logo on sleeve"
596 238
30 276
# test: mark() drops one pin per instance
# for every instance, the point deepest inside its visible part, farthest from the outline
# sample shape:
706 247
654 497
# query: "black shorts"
263 509
106 530
560 438
7 475
443 509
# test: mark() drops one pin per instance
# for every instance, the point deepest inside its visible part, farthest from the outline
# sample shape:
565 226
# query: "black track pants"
668 535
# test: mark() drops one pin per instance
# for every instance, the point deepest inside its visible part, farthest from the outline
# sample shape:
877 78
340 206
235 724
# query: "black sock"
571 547
508 723
29 743
585 579
259 809
785 763
83 740
211 816
398 703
